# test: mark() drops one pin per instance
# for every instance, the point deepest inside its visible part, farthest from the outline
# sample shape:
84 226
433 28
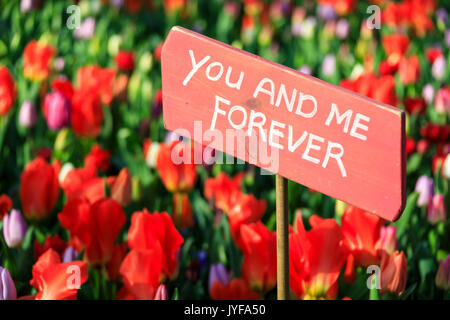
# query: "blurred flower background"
87 183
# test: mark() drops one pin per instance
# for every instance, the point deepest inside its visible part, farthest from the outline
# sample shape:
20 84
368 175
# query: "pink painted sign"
317 134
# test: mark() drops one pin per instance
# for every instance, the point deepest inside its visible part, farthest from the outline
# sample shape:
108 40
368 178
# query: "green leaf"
176 294
408 291
414 162
28 240
403 223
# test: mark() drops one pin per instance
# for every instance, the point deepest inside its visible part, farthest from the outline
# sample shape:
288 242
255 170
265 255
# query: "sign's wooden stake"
281 185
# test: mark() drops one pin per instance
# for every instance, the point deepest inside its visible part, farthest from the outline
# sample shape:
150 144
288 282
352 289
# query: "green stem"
4 122
10 262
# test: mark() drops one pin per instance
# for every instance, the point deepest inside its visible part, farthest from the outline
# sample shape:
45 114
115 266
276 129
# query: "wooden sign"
317 134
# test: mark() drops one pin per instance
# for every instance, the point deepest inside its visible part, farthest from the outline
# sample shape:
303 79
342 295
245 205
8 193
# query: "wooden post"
281 185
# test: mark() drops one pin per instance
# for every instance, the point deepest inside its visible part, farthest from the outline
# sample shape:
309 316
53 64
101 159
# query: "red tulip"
173 5
96 225
84 183
236 289
259 247
223 190
39 189
412 14
383 90
52 278
433 53
5 205
148 231
7 91
387 68
97 80
124 294
141 273
395 46
393 272
367 84
63 86
51 242
362 231
175 164
410 146
125 60
98 158
113 266
87 114
182 211
120 88
415 105
246 209
435 133
44 153
316 258
158 52
409 70
36 60
121 187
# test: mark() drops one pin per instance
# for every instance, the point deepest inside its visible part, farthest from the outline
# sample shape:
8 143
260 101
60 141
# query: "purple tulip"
442 15
171 137
436 210
156 107
342 29
329 65
70 254
7 287
26 5
438 68
428 93
202 259
218 272
447 38
59 63
326 12
443 274
425 188
161 293
117 3
305 69
27 114
14 228
286 8
57 110
86 29
208 157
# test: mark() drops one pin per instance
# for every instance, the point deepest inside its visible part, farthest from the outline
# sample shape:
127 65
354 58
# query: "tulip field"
92 206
